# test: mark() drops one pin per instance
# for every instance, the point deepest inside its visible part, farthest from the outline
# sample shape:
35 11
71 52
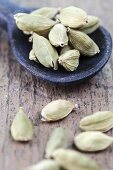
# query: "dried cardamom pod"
83 43
73 160
73 17
47 12
57 110
92 141
16 16
34 23
91 25
45 52
58 35
90 29
70 60
45 165
21 128
65 49
58 139
32 56
99 121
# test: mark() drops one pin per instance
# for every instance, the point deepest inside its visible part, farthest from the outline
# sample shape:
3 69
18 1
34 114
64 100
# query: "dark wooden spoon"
20 46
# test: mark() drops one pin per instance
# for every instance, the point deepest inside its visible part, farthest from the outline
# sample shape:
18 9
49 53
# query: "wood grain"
19 88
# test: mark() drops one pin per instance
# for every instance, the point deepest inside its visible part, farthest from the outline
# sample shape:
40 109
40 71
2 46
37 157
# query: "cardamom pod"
91 25
58 139
32 56
92 141
34 23
16 16
99 121
46 11
45 52
21 128
65 49
57 110
73 17
90 29
70 60
83 43
73 160
45 165
58 35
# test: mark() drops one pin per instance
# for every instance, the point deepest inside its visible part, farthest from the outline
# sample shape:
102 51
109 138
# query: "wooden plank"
20 88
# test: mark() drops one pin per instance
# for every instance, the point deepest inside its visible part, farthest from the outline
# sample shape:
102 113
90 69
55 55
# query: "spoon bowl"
89 66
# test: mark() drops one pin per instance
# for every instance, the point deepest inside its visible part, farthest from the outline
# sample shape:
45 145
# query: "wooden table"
19 88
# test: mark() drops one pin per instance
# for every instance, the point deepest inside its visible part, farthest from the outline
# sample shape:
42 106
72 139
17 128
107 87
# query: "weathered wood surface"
19 88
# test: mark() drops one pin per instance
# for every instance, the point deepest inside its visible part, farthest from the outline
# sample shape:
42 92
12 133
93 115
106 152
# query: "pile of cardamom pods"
58 145
59 36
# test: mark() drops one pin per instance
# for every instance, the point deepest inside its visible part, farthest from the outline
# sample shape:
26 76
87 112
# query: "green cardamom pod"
45 165
58 139
57 110
45 52
32 56
70 60
92 141
46 11
91 25
83 43
99 121
73 160
58 35
34 23
65 49
16 16
21 128
73 17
